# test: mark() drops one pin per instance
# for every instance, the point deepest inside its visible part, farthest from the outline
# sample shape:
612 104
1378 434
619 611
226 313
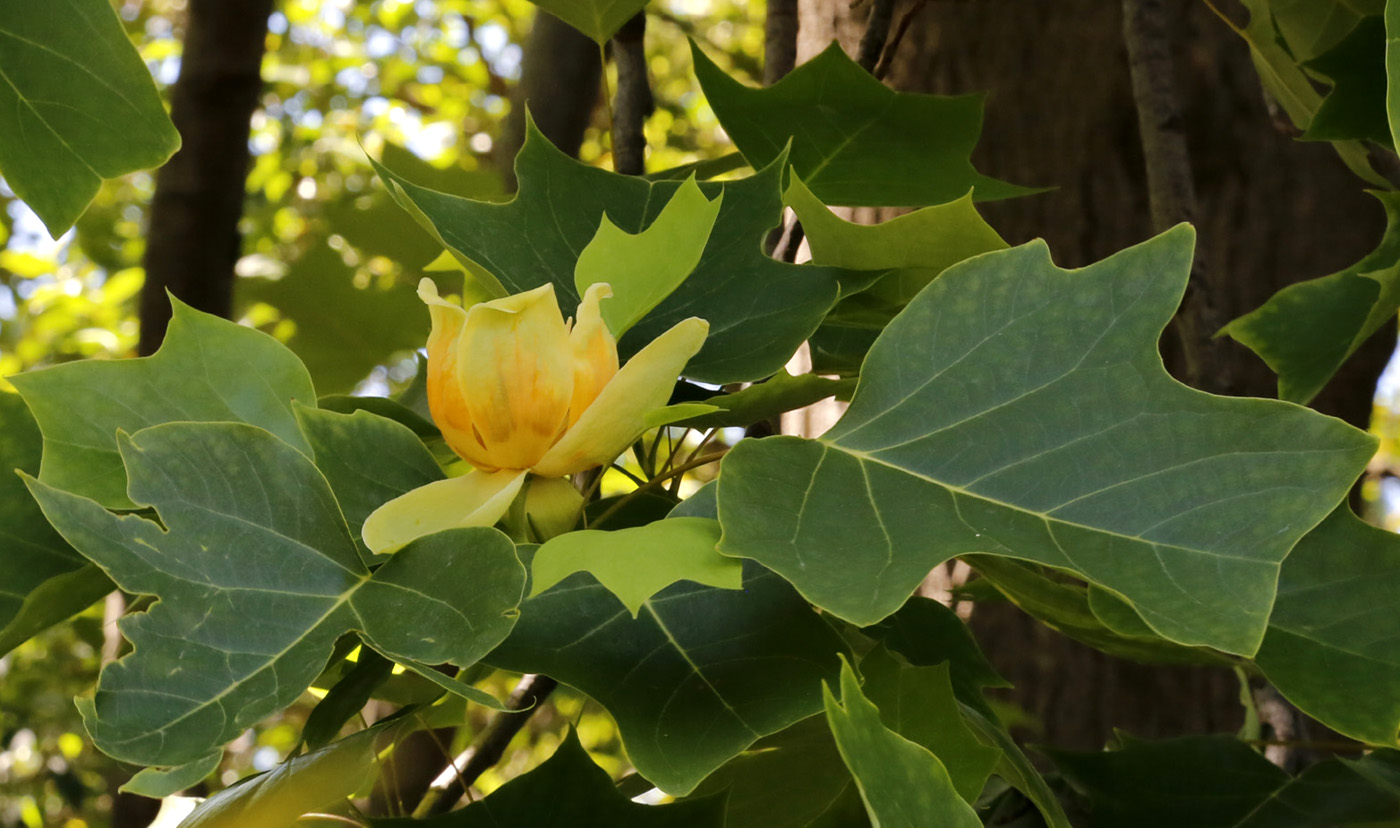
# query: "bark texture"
1270 211
559 77
193 242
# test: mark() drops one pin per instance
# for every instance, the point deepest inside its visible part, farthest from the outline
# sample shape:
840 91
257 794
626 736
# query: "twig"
1171 190
877 31
634 101
657 481
779 40
902 28
452 783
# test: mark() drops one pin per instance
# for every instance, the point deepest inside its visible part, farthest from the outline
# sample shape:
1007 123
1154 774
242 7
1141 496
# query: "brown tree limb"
452 783
779 40
193 242
877 32
1171 186
633 103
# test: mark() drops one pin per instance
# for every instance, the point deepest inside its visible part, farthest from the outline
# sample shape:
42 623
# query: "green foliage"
645 268
568 789
1306 331
887 148
599 19
759 309
78 106
1218 782
901 782
635 564
1355 108
224 372
984 420
696 678
257 577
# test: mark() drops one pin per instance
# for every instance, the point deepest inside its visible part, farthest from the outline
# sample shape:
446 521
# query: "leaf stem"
658 480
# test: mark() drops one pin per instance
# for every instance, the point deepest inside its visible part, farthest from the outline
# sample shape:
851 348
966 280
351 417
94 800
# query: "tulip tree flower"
515 389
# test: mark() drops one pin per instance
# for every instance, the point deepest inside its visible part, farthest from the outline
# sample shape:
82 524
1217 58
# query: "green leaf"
793 779
1333 648
764 400
759 309
927 633
346 699
207 370
1022 410
635 564
305 784
918 704
159 783
1015 768
367 460
1219 782
1311 27
644 268
569 791
42 580
1392 71
1286 81
696 678
901 782
342 331
917 246
1355 108
855 141
1306 331
78 106
1068 609
598 19
257 576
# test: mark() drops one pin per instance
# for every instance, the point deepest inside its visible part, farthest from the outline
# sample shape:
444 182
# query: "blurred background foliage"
329 266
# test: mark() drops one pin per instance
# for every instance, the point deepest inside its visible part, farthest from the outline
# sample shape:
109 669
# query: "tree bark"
559 79
193 242
1271 211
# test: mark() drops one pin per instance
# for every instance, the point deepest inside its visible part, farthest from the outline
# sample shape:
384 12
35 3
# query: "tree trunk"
193 242
1271 211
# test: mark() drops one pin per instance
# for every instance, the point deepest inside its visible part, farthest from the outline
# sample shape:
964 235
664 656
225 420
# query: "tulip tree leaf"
644 268
1392 71
569 791
1332 647
764 400
207 370
1220 782
636 563
301 785
793 779
158 783
901 782
367 459
1355 108
1306 331
1310 27
1022 410
598 19
42 580
256 577
917 246
927 633
342 331
696 678
887 148
759 309
77 105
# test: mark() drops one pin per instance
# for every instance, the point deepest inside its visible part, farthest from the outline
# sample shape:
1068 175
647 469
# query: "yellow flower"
514 388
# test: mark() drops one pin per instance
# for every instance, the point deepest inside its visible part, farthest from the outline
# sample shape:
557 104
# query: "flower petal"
477 498
445 401
517 377
619 413
594 349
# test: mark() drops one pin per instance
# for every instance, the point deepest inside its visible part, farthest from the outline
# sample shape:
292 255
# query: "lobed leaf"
1022 410
256 576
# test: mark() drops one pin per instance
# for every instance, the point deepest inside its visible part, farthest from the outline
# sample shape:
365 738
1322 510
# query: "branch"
452 783
1170 185
633 102
779 40
877 31
883 67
